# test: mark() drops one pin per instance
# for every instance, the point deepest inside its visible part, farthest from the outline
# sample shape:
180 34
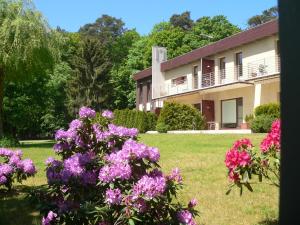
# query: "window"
232 112
195 77
148 92
179 81
239 64
222 67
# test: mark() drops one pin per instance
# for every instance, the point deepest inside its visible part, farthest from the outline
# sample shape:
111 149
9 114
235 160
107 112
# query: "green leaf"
131 222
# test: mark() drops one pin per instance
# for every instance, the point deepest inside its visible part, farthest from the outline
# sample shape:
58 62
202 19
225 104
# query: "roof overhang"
143 74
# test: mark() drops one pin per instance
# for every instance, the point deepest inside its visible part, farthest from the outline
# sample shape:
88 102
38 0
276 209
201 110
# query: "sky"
143 14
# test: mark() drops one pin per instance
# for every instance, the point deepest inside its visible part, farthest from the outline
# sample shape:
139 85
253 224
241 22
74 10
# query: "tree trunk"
1 100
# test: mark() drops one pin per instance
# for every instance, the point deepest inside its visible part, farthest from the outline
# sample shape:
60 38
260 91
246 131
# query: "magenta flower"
49 218
175 175
273 138
193 203
185 217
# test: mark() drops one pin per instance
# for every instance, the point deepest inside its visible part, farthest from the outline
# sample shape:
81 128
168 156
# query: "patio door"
232 113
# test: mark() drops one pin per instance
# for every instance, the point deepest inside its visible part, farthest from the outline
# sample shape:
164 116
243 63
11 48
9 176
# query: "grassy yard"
201 160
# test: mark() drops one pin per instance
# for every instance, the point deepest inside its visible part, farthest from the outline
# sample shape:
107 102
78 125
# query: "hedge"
178 116
271 109
143 121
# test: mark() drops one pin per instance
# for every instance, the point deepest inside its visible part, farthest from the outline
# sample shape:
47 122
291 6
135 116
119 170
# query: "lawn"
201 160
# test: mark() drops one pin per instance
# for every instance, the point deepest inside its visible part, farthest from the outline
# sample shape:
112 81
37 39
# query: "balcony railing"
247 71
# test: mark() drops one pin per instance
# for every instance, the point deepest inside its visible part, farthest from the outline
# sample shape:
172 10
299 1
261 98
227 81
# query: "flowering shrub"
243 162
14 168
107 177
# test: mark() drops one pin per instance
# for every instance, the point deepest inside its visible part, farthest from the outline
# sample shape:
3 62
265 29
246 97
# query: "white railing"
249 70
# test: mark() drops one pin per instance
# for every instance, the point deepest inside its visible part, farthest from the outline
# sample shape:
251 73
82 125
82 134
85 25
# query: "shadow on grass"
269 222
16 209
38 144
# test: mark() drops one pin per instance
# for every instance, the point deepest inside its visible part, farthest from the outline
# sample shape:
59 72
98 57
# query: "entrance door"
208 110
208 76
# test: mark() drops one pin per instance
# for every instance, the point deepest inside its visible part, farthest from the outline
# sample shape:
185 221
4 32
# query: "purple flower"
75 124
14 160
175 175
141 205
108 114
86 112
113 196
49 218
185 217
6 152
122 131
193 203
28 166
89 177
3 179
149 187
111 172
5 169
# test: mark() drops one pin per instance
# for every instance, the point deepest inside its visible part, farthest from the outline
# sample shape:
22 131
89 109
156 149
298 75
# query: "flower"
113 196
242 144
115 171
108 114
5 169
185 217
149 186
86 112
122 131
235 158
49 218
28 166
3 179
175 175
272 140
193 203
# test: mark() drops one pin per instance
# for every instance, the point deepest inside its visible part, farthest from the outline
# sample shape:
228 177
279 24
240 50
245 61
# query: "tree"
89 84
25 47
182 20
267 15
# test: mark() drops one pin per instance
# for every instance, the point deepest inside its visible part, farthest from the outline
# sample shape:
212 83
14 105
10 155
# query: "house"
225 80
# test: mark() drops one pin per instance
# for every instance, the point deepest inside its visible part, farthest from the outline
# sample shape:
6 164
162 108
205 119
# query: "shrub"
271 109
143 121
178 116
249 118
106 177
9 142
243 162
14 168
162 128
262 123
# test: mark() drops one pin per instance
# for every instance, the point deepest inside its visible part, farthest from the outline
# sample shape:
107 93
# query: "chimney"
159 55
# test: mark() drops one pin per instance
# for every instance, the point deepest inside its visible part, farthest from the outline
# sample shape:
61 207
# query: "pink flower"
242 144
272 140
193 203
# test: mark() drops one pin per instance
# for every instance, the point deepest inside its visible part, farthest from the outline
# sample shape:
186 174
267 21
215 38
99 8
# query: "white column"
257 95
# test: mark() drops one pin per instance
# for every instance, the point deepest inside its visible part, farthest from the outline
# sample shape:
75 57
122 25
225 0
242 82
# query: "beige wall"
263 50
269 93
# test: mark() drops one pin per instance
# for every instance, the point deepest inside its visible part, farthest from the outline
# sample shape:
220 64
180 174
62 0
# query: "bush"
162 128
106 177
262 123
178 116
9 142
271 109
13 168
143 121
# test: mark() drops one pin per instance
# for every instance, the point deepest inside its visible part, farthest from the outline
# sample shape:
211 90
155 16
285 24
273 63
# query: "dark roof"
142 74
244 37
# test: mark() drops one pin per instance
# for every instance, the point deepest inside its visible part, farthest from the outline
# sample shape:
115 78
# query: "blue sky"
143 14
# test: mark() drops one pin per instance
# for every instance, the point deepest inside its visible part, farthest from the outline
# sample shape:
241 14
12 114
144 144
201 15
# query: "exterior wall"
254 54
269 93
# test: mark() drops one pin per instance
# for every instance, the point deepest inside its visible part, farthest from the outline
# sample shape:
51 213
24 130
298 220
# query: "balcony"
248 71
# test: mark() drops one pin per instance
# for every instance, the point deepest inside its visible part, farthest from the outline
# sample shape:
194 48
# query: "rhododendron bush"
12 167
105 176
243 161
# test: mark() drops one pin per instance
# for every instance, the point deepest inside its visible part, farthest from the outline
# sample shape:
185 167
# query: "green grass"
201 161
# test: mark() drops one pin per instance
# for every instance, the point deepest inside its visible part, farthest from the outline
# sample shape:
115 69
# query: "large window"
232 113
239 64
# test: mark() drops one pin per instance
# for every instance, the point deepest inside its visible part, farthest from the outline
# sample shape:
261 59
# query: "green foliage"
262 123
272 109
249 118
6 142
162 128
89 83
178 116
143 121
265 16
182 20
